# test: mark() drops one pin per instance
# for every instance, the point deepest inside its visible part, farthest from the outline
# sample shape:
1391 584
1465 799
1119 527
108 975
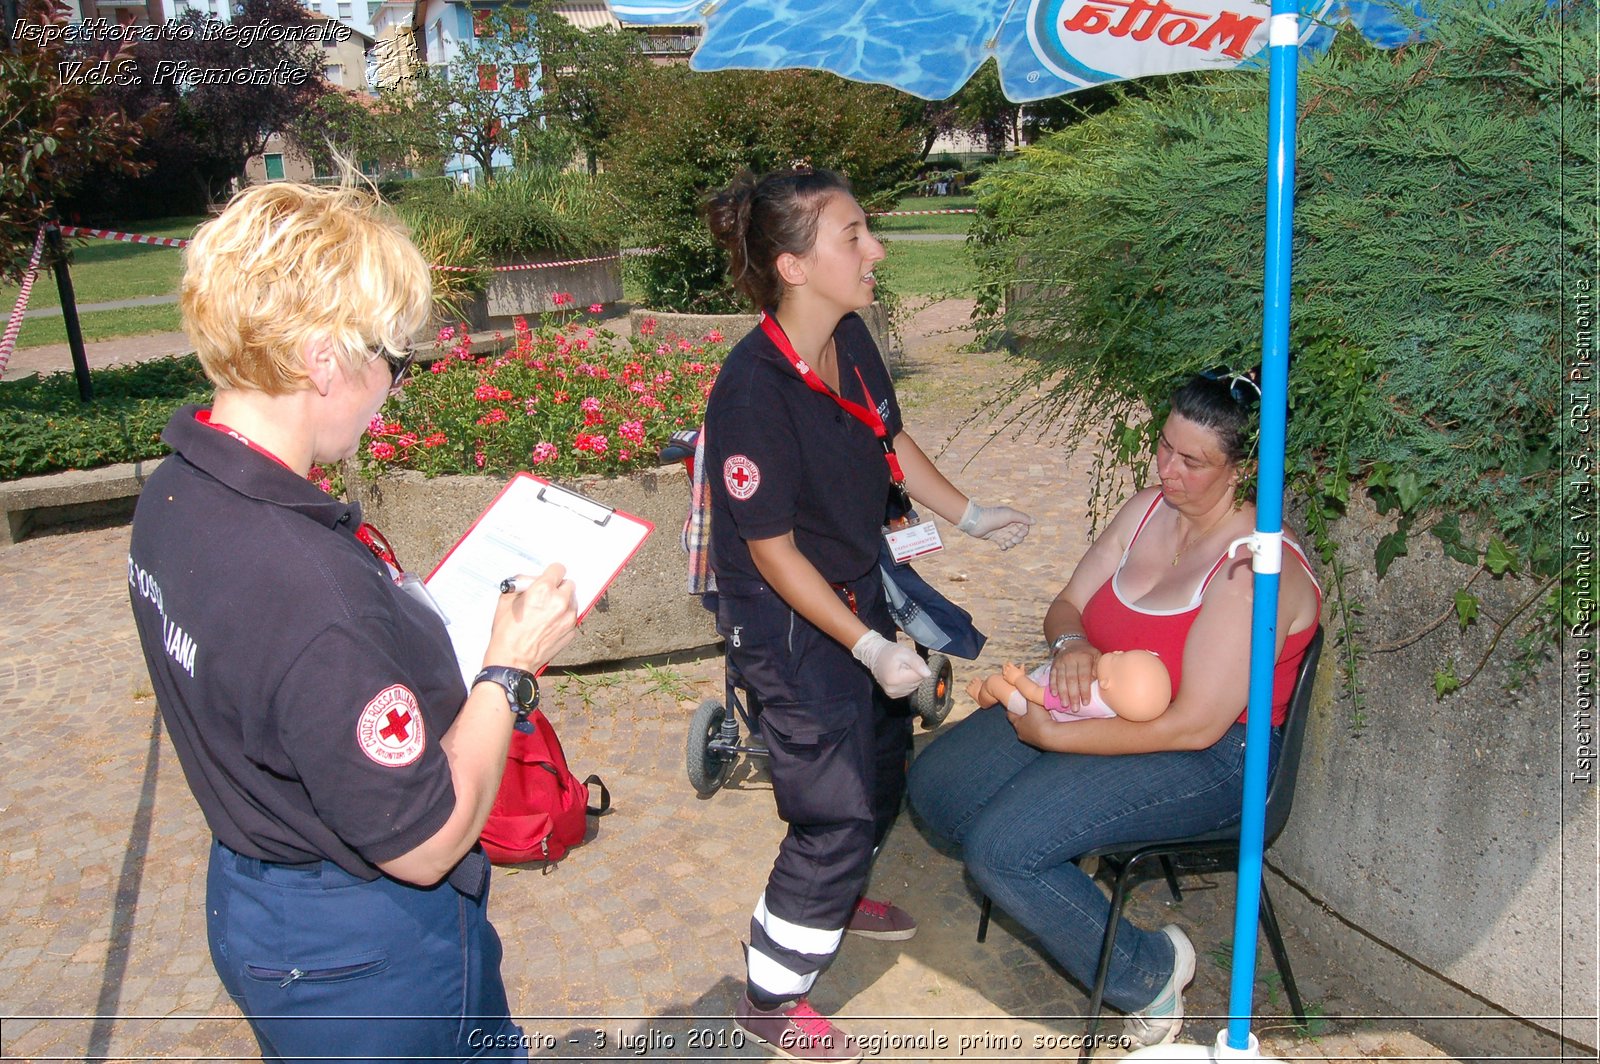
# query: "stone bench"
36 502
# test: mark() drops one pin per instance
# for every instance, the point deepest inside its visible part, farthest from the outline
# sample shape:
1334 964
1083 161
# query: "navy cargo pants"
324 964
838 754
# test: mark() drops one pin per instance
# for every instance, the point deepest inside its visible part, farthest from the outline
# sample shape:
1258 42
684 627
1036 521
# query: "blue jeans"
1022 816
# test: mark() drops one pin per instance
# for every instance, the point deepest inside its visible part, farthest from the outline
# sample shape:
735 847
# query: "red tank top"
1111 623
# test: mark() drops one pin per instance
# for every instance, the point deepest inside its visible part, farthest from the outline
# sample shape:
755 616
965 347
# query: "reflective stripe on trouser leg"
785 957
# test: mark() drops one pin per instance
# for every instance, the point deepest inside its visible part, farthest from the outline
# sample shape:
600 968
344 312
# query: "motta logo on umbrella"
1111 40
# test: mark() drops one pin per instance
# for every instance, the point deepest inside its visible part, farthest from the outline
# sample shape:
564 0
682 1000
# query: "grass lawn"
926 268
101 325
107 270
929 223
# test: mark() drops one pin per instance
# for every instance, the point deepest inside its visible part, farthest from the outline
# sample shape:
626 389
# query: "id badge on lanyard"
409 583
907 538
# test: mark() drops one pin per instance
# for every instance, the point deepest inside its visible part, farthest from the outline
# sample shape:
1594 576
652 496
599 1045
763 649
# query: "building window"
333 73
488 77
481 26
274 167
520 75
347 11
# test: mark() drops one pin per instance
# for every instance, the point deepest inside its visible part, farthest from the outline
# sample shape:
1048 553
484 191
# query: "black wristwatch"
522 690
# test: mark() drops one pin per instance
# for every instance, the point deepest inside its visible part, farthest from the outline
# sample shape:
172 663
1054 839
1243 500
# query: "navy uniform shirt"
305 693
781 457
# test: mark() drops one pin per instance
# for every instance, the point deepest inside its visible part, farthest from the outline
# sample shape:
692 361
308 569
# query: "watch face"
524 691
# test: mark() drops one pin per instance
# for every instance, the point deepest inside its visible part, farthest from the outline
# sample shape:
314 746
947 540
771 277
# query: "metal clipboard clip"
581 505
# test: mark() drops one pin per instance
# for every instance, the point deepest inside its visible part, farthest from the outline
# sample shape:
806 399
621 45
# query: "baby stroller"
714 743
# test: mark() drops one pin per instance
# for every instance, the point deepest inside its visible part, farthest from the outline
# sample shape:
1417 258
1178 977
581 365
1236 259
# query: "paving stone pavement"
629 948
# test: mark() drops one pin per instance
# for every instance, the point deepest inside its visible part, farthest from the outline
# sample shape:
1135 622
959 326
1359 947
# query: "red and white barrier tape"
126 238
625 253
14 325
913 214
171 242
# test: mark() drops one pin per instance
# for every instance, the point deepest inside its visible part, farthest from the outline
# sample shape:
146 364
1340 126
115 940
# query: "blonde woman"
315 706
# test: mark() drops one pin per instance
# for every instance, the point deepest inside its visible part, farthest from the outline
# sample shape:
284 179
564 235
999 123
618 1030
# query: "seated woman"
1024 796
1131 684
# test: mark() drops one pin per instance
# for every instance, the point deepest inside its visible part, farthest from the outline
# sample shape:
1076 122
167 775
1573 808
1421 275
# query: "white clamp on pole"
1184 1051
1266 549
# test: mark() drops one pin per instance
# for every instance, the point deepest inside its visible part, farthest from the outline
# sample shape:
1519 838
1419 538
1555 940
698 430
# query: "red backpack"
539 812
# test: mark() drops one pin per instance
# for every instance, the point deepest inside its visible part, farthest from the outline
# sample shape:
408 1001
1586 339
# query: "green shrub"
1431 233
45 429
687 134
543 209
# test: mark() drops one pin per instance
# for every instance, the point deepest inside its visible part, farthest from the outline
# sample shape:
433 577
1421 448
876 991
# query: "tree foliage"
587 77
488 89
52 136
1431 231
385 134
213 99
686 134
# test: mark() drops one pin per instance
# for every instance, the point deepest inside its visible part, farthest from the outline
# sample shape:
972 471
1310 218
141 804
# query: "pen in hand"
515 585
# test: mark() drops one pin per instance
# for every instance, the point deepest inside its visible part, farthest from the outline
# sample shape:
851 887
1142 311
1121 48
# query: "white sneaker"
1159 1022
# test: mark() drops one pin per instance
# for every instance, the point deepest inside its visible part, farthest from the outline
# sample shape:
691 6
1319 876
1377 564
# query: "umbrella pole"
1267 545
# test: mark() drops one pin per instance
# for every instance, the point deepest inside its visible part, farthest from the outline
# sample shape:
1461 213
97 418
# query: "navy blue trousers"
838 753
325 964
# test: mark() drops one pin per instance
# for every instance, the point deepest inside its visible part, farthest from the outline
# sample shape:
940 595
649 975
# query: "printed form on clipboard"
531 525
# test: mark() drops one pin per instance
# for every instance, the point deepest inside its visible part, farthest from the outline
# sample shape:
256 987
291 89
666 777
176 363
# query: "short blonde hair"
286 265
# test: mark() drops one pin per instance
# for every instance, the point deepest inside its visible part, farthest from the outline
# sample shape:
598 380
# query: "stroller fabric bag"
925 615
539 811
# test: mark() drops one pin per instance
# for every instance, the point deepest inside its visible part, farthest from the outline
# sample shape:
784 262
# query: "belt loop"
471 873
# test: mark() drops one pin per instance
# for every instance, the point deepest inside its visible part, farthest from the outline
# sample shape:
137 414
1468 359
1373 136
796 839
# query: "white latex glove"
897 668
1000 525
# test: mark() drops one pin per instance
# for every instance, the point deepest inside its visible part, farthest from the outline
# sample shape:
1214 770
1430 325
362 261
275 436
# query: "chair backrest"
1280 791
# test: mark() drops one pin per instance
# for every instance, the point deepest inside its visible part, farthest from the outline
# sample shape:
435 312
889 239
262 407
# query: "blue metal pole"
1283 48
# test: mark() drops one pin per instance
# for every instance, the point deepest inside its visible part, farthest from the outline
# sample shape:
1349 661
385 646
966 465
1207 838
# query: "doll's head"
1134 684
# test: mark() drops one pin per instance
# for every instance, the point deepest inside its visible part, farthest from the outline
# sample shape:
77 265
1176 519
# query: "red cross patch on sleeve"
389 730
741 476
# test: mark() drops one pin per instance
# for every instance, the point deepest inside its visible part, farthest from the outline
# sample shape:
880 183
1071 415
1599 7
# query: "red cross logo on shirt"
397 726
390 730
741 476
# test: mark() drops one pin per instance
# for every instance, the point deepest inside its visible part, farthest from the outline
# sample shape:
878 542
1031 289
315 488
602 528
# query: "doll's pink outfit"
1059 710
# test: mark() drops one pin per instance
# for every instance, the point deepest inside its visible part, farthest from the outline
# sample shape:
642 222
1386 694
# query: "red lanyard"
204 417
368 535
867 415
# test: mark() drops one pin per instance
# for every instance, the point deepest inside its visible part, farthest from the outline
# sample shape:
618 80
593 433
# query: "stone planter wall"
1440 850
531 291
734 326
647 611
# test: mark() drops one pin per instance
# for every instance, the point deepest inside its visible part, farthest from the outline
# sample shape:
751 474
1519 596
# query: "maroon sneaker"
798 1031
879 919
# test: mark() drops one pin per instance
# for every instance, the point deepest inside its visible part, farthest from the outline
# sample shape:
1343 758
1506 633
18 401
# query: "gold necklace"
1211 528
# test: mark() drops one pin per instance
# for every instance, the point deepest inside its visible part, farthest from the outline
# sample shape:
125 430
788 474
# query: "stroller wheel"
708 769
934 696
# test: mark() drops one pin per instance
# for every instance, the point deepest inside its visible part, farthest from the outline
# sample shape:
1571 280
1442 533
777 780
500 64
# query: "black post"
69 313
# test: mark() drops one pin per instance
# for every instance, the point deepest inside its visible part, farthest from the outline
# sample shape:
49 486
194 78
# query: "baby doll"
1131 684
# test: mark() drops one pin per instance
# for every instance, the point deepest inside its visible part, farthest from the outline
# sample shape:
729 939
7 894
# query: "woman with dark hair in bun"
1025 796
804 446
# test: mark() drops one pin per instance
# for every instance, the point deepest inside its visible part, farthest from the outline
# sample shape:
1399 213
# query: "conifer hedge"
1444 208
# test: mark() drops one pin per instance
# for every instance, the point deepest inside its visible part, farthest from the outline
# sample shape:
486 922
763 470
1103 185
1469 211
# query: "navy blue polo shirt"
781 457
305 694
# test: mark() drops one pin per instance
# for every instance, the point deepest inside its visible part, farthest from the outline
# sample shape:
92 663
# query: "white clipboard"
530 525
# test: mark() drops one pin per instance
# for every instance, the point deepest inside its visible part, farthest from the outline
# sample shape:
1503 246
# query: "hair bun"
728 212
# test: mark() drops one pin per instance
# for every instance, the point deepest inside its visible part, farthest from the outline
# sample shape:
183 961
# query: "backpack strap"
605 796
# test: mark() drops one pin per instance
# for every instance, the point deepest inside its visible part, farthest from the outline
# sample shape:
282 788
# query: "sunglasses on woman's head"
1242 388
